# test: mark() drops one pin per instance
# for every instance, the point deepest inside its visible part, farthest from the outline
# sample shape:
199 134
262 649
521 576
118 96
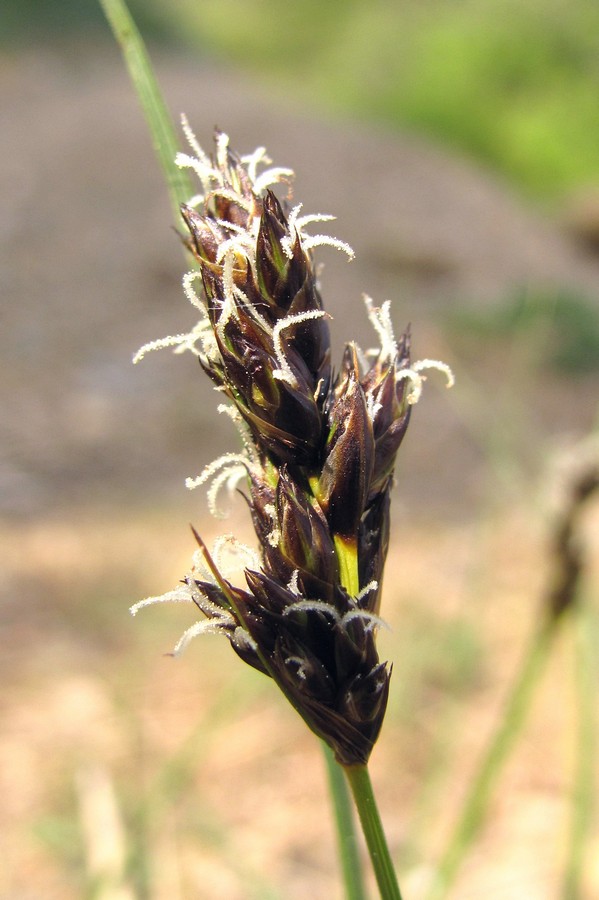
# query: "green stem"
477 799
361 787
151 100
346 834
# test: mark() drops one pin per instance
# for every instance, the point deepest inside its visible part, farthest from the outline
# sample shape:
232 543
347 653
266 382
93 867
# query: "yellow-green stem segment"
347 555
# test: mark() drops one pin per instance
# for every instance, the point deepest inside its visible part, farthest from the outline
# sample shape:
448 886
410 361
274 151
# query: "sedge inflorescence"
317 454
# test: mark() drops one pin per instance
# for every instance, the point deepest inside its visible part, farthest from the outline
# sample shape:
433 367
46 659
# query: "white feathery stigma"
251 161
412 374
242 638
367 589
227 470
274 535
172 340
227 409
181 594
313 606
230 478
300 663
228 543
285 372
222 150
271 176
218 620
192 140
297 223
325 240
293 586
370 620
188 290
201 331
439 366
380 319
204 626
203 170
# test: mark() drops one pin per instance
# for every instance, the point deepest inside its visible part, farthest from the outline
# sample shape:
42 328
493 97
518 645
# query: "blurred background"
458 145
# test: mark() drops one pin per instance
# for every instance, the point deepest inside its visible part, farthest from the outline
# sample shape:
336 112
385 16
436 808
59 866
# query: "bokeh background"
458 145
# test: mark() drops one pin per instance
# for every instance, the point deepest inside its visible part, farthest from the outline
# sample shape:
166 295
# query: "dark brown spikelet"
319 454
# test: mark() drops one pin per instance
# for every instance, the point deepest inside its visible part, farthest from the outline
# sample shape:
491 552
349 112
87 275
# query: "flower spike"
318 450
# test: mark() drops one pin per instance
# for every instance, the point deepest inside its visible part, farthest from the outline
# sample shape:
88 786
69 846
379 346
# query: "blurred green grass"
564 322
512 84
